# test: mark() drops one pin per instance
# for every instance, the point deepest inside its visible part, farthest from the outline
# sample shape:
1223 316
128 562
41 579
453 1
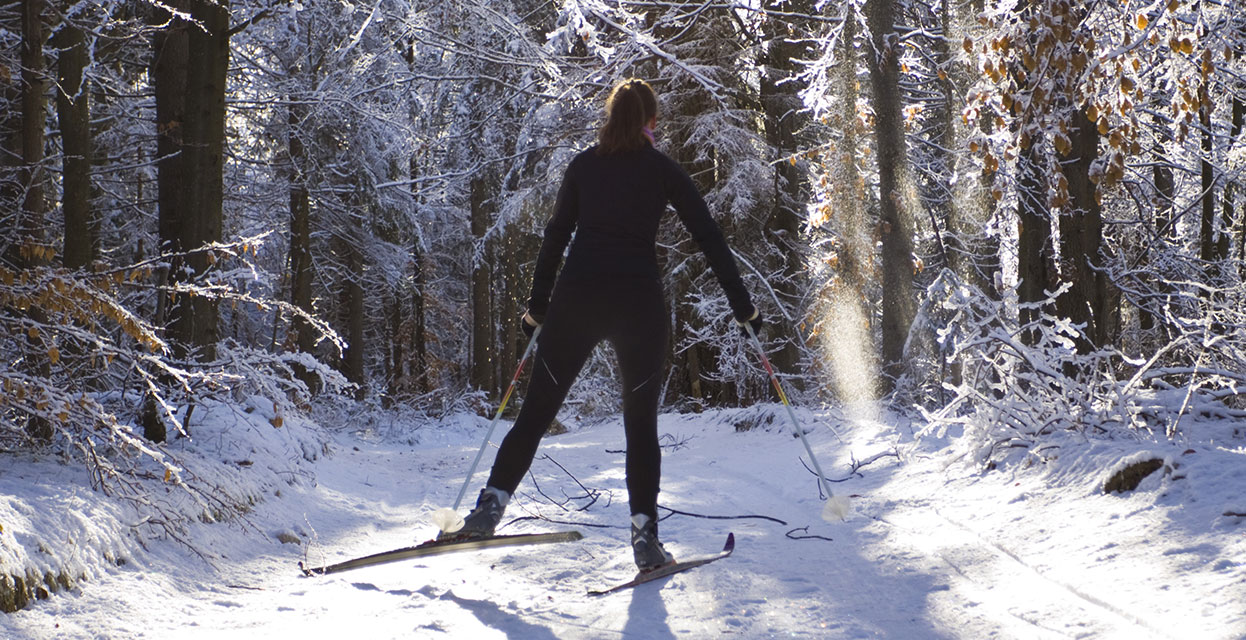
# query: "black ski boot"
648 551
481 522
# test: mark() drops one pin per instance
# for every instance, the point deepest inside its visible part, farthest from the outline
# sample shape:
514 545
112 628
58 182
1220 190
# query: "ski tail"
670 569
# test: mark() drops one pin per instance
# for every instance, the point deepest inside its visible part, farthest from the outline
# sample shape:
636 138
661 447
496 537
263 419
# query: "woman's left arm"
557 234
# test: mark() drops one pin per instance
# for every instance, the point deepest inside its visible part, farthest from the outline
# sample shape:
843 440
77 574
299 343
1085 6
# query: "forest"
1015 218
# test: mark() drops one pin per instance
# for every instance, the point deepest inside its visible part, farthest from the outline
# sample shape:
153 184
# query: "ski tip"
730 546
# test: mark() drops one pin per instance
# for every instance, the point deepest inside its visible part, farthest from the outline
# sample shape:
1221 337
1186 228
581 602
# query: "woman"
613 197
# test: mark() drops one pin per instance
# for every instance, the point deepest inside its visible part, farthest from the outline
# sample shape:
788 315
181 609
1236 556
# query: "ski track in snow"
930 552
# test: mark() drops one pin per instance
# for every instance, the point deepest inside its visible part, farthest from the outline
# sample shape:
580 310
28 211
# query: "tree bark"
1162 203
895 227
509 306
168 73
1035 252
785 119
1081 239
1229 207
353 304
420 337
1207 219
73 112
482 365
300 259
204 149
32 177
1239 115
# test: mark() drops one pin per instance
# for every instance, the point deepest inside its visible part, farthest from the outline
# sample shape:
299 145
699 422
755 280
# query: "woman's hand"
530 323
753 321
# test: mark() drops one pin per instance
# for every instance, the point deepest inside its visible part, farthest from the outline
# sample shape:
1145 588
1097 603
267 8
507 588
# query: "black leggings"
632 316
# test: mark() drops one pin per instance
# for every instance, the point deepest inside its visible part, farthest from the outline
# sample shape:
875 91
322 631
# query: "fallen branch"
807 537
708 517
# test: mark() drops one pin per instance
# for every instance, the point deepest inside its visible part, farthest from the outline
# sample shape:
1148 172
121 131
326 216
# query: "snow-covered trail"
929 553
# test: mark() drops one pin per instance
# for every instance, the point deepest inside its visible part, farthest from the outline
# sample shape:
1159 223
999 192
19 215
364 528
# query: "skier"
612 197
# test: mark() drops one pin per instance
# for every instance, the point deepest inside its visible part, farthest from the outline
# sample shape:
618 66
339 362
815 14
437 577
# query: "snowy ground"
933 549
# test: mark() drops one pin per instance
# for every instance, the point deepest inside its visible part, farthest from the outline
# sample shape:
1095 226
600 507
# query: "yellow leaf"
1062 144
1142 22
276 422
1187 46
168 473
54 354
792 160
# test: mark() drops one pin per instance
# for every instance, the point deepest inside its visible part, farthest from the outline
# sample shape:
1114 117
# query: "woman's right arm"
695 215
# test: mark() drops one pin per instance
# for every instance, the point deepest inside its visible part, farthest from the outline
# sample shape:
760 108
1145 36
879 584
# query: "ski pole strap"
493 423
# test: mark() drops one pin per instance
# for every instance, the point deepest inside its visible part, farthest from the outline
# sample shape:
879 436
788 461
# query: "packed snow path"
932 551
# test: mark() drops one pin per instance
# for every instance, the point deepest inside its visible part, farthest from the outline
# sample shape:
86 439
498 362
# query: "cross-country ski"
669 569
434 547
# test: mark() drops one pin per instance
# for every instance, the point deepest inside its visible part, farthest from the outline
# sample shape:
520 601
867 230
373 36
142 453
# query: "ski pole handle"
492 423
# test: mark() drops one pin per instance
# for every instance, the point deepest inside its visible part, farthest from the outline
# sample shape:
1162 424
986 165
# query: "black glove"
753 321
530 322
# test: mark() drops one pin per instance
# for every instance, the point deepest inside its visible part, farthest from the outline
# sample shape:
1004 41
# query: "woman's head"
632 105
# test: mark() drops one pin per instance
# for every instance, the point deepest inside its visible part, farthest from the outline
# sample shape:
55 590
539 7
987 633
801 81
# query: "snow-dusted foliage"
1023 390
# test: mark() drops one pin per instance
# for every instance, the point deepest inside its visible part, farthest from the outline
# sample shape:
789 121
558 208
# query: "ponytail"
630 107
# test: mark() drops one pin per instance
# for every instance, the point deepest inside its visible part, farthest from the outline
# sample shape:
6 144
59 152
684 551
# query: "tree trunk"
972 254
1081 239
785 119
482 365
895 227
204 149
168 73
32 177
1162 204
1207 221
419 339
1228 213
300 259
509 306
353 304
189 70
1035 266
1239 115
73 112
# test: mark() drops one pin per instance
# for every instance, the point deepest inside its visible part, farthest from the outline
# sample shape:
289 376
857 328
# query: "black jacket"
614 204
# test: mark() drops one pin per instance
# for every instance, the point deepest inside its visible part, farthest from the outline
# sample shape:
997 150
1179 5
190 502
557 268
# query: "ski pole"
835 506
447 518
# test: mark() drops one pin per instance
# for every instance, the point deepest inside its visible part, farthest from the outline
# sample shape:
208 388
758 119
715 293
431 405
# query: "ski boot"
647 550
481 522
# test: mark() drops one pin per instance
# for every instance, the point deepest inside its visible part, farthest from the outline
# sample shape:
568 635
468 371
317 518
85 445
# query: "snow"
934 547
